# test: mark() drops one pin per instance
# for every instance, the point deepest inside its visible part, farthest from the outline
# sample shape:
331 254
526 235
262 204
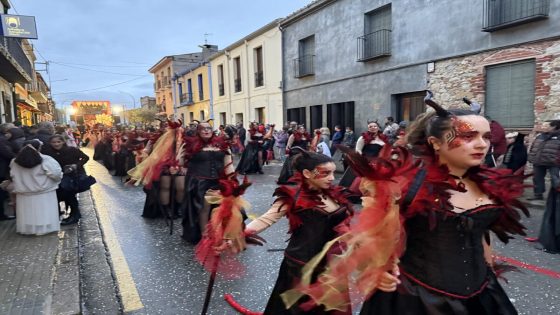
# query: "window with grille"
200 88
237 74
221 90
304 64
376 41
259 73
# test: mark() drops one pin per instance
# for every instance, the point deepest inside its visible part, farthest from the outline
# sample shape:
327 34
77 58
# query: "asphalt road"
159 276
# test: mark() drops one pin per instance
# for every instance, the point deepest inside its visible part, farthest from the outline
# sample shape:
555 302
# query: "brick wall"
465 76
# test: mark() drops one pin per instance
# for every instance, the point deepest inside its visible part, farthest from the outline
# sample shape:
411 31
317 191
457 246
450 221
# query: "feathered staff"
225 230
373 245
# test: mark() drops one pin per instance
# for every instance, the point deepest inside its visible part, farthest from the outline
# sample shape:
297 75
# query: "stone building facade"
466 76
349 61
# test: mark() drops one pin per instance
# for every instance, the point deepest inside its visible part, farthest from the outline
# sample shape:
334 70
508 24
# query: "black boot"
74 217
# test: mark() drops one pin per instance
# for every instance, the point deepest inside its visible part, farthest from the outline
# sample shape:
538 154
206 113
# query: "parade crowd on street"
439 184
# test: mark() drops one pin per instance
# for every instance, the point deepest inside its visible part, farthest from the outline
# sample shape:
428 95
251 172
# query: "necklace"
460 184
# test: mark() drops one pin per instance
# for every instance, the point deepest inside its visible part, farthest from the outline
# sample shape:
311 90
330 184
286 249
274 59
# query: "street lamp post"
132 97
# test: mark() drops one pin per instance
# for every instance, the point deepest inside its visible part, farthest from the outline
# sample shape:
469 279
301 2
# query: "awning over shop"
29 107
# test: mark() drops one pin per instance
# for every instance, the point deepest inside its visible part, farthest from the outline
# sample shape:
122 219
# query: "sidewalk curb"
99 289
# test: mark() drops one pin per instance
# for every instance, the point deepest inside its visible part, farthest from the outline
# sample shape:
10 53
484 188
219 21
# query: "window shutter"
510 93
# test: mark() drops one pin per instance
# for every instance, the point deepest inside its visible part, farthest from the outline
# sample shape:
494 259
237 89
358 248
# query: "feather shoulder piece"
504 187
162 155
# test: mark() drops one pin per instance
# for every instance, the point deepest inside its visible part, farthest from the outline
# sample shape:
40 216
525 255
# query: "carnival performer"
120 153
165 165
300 138
151 204
207 158
253 156
447 206
369 145
317 212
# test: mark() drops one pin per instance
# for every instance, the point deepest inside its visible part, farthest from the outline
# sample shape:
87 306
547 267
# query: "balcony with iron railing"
259 78
374 45
499 14
186 99
304 66
15 65
221 90
237 85
166 81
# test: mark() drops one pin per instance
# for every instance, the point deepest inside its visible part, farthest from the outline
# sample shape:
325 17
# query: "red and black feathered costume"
249 162
165 157
443 269
372 149
204 160
302 140
311 227
369 151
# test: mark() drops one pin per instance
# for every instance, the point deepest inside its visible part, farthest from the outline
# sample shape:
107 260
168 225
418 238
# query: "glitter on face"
321 172
461 133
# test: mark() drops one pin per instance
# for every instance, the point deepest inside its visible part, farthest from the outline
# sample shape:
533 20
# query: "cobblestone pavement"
38 274
168 281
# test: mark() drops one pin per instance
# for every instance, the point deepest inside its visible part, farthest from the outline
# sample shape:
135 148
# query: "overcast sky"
121 39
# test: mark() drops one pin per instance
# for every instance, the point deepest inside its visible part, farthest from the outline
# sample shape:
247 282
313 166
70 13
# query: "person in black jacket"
71 160
545 156
6 156
516 153
16 136
44 133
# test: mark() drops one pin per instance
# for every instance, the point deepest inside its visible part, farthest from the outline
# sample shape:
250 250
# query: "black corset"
371 150
206 164
304 144
449 258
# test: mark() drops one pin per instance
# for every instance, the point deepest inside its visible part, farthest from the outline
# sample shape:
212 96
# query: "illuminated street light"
119 109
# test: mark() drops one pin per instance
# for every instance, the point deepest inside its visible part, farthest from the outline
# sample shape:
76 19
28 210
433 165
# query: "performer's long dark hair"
307 160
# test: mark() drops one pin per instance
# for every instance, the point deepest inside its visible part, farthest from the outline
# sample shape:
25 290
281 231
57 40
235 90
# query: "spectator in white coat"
35 178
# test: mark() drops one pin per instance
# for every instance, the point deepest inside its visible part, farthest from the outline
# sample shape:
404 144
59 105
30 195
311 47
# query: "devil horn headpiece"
440 111
372 121
475 106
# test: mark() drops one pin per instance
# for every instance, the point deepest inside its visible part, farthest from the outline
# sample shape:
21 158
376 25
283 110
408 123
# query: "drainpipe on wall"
232 115
210 88
13 113
174 94
248 81
282 83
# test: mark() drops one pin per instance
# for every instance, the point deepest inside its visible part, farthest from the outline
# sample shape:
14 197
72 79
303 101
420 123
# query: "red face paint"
462 132
321 172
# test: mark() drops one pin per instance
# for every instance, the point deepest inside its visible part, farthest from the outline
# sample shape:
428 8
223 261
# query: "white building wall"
246 102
